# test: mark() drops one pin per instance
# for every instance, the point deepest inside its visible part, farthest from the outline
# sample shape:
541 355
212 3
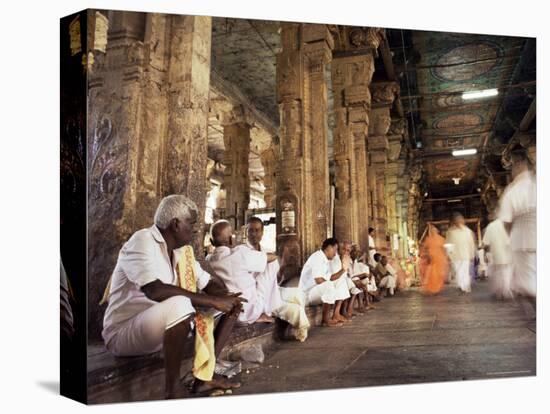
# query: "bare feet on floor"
332 323
265 319
342 318
217 382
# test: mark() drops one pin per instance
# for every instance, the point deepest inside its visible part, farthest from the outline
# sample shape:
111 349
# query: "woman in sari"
434 264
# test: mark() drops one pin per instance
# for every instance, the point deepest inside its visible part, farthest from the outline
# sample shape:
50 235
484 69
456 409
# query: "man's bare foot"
331 323
342 318
217 382
265 319
369 307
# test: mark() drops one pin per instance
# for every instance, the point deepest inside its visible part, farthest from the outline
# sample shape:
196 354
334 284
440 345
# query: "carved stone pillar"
189 81
317 47
236 138
148 106
383 95
270 158
303 183
351 76
415 200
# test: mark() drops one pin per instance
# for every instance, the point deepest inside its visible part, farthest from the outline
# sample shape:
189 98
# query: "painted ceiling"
450 64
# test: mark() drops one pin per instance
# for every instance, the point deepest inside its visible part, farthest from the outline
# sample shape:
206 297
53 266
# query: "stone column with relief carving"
236 138
352 70
148 104
270 159
383 95
302 201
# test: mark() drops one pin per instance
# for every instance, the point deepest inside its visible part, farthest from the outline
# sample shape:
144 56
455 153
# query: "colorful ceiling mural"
449 65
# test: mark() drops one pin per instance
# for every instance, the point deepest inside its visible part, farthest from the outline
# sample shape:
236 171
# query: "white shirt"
498 241
317 265
372 251
518 206
335 265
271 266
238 268
462 241
142 259
357 268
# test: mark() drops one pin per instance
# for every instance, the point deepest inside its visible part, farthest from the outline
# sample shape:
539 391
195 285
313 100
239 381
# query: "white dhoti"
353 290
328 292
500 278
388 282
268 297
462 274
524 279
292 311
144 333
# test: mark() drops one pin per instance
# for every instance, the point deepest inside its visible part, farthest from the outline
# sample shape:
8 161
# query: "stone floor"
410 338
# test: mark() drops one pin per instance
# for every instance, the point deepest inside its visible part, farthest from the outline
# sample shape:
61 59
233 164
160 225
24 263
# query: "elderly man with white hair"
153 294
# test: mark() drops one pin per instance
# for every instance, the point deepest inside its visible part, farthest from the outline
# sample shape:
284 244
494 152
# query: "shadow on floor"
51 386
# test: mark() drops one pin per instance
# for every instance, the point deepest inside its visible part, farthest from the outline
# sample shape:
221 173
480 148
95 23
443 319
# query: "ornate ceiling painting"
451 64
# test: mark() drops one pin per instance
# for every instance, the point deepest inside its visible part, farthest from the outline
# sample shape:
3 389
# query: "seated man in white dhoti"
321 286
388 280
496 243
361 278
294 300
463 251
518 212
344 249
239 267
153 294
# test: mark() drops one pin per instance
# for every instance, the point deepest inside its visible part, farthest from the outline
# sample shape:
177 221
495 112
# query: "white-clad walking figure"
518 212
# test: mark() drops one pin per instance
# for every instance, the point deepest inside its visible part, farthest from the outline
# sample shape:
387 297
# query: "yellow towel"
205 358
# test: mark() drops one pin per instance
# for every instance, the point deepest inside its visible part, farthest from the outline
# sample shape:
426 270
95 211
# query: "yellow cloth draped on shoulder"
205 358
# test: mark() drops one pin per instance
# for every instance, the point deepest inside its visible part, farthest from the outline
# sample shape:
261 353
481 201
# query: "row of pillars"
149 109
360 141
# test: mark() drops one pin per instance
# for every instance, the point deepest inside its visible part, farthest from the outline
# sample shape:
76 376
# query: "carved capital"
239 114
374 36
384 93
356 39
398 126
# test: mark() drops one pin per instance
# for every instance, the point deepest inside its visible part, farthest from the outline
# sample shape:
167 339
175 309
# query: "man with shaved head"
253 272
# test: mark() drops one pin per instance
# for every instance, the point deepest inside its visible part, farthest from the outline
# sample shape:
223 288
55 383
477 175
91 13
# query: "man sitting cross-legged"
321 286
254 273
336 263
153 294
387 280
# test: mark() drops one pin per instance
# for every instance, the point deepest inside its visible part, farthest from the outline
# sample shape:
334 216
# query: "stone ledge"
118 379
